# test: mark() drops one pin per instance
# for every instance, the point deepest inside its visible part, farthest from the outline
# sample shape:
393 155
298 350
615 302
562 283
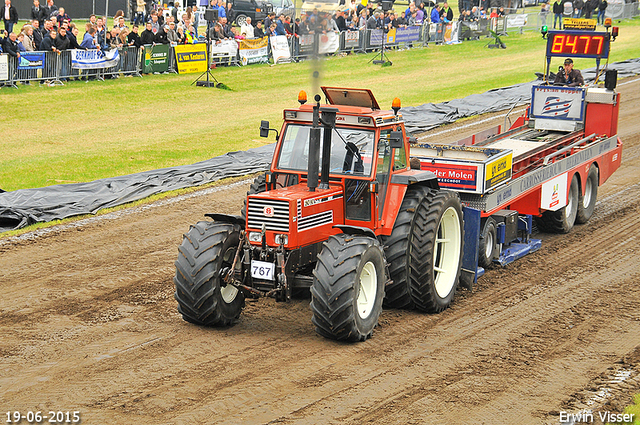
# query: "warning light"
544 30
395 105
614 33
302 97
607 22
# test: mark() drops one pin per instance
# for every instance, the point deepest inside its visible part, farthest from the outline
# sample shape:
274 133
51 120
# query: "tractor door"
383 169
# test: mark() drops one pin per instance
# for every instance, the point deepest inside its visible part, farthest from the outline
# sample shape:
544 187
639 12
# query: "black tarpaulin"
28 206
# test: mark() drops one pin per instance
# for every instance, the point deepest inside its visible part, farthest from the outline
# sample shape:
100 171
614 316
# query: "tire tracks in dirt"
88 322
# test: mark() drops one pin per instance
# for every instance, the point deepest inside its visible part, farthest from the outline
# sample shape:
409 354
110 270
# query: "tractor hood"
305 217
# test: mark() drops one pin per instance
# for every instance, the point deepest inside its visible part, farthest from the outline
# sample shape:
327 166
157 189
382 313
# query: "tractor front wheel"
208 250
348 287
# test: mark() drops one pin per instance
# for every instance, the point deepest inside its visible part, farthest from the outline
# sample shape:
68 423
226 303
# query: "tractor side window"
400 159
383 169
358 200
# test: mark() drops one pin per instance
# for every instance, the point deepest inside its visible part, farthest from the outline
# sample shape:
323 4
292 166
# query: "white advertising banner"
329 42
4 67
554 193
94 59
224 48
280 48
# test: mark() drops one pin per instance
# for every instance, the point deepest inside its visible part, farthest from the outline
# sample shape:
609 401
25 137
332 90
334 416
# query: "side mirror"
396 140
264 129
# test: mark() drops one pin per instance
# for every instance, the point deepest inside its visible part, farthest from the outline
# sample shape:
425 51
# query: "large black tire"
562 220
425 250
436 252
587 202
487 246
396 248
348 287
206 250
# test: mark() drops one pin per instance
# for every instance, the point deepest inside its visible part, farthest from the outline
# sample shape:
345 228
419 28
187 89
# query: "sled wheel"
348 287
587 202
562 220
206 251
487 247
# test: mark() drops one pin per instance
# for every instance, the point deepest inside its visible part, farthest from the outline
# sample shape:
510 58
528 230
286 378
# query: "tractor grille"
256 216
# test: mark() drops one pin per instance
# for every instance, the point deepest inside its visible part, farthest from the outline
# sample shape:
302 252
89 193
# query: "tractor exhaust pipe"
314 148
328 122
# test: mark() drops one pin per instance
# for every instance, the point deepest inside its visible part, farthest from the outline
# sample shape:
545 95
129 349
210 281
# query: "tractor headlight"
255 237
281 239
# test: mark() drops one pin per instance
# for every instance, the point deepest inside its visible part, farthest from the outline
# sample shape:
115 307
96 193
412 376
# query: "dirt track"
88 323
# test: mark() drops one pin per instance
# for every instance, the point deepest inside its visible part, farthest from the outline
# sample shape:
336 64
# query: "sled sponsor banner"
94 59
191 58
459 177
255 50
31 60
156 58
4 67
560 103
224 49
280 48
498 171
554 193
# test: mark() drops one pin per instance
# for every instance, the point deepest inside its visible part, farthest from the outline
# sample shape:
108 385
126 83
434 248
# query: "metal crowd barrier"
55 68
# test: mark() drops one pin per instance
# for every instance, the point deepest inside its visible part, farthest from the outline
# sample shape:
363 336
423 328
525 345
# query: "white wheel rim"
368 288
447 252
570 202
586 200
488 248
228 293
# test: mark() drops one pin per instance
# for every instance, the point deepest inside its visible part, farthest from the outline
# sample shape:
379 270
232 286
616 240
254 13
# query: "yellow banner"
253 43
191 58
579 24
498 170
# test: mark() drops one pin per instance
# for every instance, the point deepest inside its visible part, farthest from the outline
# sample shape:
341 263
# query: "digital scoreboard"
580 44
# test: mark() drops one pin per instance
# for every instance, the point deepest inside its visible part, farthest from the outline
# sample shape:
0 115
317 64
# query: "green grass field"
90 130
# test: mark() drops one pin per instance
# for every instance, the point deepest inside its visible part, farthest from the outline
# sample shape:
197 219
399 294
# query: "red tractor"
340 212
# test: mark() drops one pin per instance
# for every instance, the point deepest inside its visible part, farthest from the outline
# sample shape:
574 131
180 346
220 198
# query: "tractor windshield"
350 154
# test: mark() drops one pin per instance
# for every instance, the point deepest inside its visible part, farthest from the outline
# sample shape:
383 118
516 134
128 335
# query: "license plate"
262 270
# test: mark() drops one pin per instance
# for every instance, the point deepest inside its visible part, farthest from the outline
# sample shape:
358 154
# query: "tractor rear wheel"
587 202
436 251
348 287
425 250
397 249
562 220
206 251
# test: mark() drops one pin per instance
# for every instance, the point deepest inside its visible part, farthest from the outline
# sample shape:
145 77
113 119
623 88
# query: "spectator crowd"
52 29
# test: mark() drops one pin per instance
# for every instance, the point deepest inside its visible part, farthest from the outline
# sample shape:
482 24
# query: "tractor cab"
333 166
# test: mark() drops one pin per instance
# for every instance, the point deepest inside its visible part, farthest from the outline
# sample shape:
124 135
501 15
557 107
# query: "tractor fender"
423 177
227 218
355 230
